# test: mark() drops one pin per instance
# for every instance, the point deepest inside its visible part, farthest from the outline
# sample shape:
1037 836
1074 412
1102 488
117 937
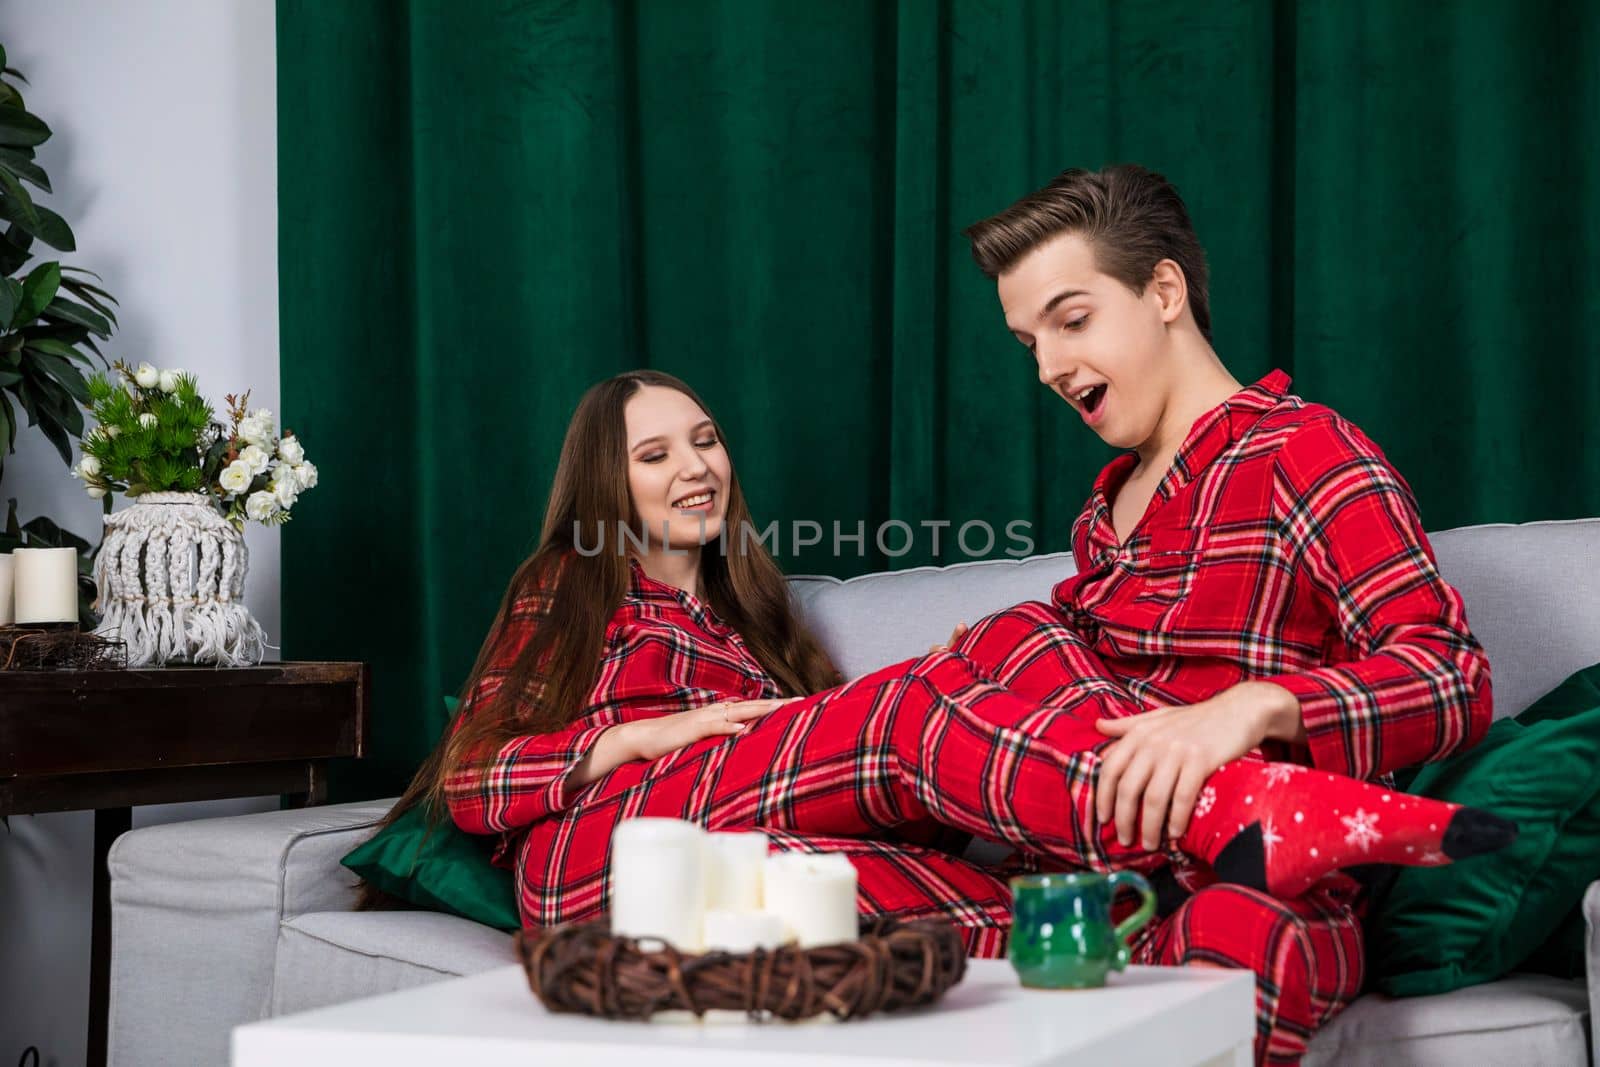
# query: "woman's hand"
955 635
654 738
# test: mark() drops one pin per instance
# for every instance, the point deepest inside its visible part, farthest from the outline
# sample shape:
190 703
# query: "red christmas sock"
1281 827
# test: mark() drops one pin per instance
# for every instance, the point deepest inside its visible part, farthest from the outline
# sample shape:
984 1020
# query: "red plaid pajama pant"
897 768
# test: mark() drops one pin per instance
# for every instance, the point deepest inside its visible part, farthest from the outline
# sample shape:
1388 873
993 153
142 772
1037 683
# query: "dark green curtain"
485 207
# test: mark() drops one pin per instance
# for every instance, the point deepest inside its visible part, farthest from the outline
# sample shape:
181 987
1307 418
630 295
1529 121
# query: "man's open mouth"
1091 400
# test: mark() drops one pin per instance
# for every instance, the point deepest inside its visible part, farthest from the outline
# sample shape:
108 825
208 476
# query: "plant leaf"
56 435
57 347
87 295
18 128
50 228
14 189
95 296
19 161
29 404
15 250
91 295
55 399
69 377
38 289
72 311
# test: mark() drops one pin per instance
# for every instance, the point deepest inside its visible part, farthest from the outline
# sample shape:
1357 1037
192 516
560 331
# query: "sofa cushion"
1528 1020
1532 594
878 619
330 957
1441 928
1508 575
434 864
438 866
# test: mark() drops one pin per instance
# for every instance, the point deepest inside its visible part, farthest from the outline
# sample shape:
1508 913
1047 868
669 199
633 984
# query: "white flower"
257 458
284 488
289 450
260 505
168 381
88 465
148 420
237 477
110 431
256 428
147 376
305 475
95 491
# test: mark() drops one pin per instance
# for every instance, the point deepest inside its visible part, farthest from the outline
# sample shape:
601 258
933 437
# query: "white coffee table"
1182 1017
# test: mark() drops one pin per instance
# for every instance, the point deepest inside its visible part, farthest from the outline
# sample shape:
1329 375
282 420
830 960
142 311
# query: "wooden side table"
110 740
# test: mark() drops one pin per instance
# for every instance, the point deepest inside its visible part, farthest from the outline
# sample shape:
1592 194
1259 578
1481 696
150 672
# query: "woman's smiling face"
678 468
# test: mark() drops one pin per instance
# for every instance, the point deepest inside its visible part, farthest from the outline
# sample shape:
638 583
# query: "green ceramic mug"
1061 932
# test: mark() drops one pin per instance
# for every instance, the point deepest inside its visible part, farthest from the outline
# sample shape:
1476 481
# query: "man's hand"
1152 775
955 636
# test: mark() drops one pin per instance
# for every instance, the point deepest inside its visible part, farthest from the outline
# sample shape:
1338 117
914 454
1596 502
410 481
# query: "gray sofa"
226 920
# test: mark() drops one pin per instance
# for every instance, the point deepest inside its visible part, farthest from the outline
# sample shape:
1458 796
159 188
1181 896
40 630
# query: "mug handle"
1127 927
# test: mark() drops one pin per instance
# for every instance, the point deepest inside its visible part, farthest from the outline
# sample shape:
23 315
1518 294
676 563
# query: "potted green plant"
51 316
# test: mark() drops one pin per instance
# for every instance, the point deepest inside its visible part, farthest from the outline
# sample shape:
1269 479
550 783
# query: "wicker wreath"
582 968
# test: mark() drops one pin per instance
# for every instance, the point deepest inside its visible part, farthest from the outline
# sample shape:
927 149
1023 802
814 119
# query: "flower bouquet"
157 434
170 576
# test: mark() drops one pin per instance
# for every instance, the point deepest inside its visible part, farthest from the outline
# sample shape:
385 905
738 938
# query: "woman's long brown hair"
577 593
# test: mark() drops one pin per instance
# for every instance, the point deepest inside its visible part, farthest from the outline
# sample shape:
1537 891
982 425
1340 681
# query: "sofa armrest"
195 909
1591 921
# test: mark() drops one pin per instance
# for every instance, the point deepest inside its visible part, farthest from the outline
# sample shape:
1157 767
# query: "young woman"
646 660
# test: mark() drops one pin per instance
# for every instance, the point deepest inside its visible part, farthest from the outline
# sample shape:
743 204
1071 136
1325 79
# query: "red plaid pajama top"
1281 546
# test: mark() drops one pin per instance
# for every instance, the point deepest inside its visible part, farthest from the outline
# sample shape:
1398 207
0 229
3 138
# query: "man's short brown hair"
1132 219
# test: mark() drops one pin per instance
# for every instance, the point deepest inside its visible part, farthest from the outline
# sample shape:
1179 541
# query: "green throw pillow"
440 867
1442 928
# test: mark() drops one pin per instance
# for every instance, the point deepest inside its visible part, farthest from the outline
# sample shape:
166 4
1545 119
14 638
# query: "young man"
1253 571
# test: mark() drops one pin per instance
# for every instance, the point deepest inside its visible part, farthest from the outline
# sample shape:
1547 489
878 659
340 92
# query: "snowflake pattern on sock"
1277 774
1364 832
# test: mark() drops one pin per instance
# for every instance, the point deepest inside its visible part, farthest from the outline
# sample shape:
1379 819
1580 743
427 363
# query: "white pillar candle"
742 931
658 884
46 583
734 863
815 896
7 598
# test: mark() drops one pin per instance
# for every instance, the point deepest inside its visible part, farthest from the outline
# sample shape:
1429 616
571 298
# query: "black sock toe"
1473 832
1243 860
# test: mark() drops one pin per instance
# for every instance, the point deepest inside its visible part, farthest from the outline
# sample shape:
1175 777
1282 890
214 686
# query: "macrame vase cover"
170 583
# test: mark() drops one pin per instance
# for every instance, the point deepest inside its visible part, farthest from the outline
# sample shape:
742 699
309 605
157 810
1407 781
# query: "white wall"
164 162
